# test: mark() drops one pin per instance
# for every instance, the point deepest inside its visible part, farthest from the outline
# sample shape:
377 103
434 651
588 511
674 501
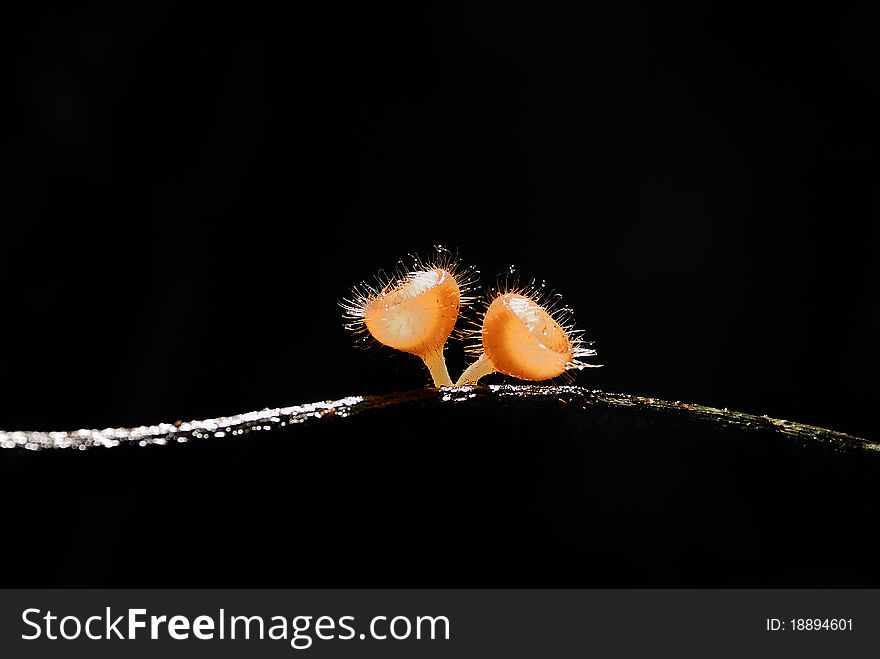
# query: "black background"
191 189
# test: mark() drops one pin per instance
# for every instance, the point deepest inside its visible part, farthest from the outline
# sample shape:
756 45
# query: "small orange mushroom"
417 316
521 338
415 311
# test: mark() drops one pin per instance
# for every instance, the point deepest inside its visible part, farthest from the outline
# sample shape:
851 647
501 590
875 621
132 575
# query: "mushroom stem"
437 365
473 373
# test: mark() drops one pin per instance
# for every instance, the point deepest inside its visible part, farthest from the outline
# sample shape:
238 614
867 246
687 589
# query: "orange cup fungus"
417 311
